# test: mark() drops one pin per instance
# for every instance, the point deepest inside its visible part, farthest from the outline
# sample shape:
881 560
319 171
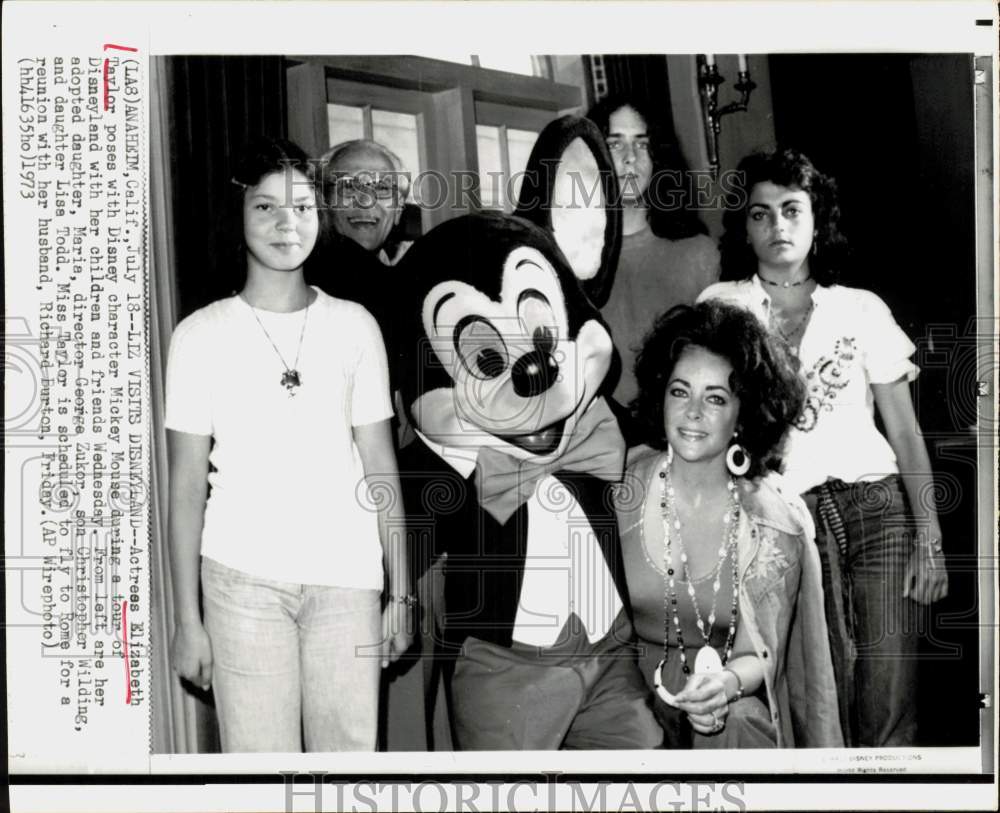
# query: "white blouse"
850 342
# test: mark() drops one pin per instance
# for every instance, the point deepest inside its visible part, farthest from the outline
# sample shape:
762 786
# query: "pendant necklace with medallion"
291 379
707 659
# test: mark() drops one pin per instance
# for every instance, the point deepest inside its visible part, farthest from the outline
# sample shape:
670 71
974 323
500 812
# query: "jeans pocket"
473 656
234 588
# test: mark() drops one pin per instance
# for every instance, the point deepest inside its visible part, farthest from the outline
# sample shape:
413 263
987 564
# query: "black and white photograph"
782 208
564 411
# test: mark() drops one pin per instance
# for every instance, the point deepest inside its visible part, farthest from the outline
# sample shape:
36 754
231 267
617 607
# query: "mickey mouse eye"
537 319
480 348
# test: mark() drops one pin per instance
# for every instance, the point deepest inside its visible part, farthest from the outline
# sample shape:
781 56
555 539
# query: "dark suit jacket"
485 563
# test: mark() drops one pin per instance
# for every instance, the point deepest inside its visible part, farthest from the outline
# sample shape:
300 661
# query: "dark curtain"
210 107
216 106
897 133
644 79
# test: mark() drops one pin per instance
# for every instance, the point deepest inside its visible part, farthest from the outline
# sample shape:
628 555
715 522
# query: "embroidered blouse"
850 342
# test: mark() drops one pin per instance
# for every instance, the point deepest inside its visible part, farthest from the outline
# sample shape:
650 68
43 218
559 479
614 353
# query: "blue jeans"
292 662
864 532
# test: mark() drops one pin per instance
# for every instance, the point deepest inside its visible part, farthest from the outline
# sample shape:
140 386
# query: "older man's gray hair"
338 151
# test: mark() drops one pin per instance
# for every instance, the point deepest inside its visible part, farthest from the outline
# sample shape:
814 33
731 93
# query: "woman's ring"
718 725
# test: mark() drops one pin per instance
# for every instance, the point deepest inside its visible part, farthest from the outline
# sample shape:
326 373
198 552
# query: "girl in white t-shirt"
878 531
278 426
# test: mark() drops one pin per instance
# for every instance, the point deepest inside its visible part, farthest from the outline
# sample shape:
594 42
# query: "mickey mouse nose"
534 372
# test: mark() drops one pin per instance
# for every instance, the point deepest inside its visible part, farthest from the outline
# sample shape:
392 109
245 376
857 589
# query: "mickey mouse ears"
570 190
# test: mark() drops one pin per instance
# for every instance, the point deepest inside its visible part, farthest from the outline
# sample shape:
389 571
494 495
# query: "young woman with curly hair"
871 494
723 576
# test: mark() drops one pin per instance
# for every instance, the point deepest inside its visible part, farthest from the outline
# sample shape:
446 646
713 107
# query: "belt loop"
829 509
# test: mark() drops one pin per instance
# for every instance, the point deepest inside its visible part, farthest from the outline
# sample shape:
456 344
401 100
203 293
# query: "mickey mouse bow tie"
596 447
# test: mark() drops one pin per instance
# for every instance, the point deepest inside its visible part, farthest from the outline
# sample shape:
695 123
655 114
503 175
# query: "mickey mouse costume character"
512 472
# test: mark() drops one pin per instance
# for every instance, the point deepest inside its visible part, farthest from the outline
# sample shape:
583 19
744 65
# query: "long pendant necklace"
291 378
789 337
707 659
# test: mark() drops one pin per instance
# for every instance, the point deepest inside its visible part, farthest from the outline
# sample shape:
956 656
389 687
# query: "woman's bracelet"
933 544
739 684
409 600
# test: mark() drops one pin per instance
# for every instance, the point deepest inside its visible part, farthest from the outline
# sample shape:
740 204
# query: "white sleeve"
887 348
189 399
731 293
713 291
370 400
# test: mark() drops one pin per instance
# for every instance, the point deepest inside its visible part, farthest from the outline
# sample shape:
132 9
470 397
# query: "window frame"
374 97
446 96
504 118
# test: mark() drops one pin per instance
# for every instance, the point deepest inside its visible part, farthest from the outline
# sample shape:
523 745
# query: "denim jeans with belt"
292 662
864 532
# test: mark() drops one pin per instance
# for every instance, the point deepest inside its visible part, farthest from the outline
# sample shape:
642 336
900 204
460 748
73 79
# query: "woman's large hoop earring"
737 460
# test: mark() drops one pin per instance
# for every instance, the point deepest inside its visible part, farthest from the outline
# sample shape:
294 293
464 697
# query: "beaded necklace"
789 335
707 659
786 283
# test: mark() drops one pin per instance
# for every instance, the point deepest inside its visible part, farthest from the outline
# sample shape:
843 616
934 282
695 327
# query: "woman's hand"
926 578
397 631
191 654
705 701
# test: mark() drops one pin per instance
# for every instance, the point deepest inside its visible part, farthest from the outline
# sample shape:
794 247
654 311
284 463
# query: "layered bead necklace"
707 659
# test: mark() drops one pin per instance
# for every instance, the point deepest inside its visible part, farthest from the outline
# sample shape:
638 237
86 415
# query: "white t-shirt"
288 498
850 342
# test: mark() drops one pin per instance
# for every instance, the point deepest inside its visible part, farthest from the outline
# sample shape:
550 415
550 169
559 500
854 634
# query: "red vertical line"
107 45
128 682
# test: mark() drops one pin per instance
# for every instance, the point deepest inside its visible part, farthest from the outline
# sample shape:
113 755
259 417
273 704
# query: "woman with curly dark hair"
871 494
666 257
723 576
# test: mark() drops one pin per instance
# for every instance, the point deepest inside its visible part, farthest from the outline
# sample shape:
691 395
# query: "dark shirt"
344 269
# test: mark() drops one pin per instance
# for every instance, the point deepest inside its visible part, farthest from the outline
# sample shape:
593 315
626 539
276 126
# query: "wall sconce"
708 85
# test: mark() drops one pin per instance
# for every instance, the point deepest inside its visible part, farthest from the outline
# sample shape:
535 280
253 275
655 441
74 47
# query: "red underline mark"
107 62
128 682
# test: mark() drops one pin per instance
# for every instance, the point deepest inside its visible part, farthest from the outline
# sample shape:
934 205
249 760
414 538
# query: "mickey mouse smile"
543 442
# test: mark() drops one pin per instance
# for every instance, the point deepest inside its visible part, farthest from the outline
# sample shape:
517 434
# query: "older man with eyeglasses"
365 187
364 190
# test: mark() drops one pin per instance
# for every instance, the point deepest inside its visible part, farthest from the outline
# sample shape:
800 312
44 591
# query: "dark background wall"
897 132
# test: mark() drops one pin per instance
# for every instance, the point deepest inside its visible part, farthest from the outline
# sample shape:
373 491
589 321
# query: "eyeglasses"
369 185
